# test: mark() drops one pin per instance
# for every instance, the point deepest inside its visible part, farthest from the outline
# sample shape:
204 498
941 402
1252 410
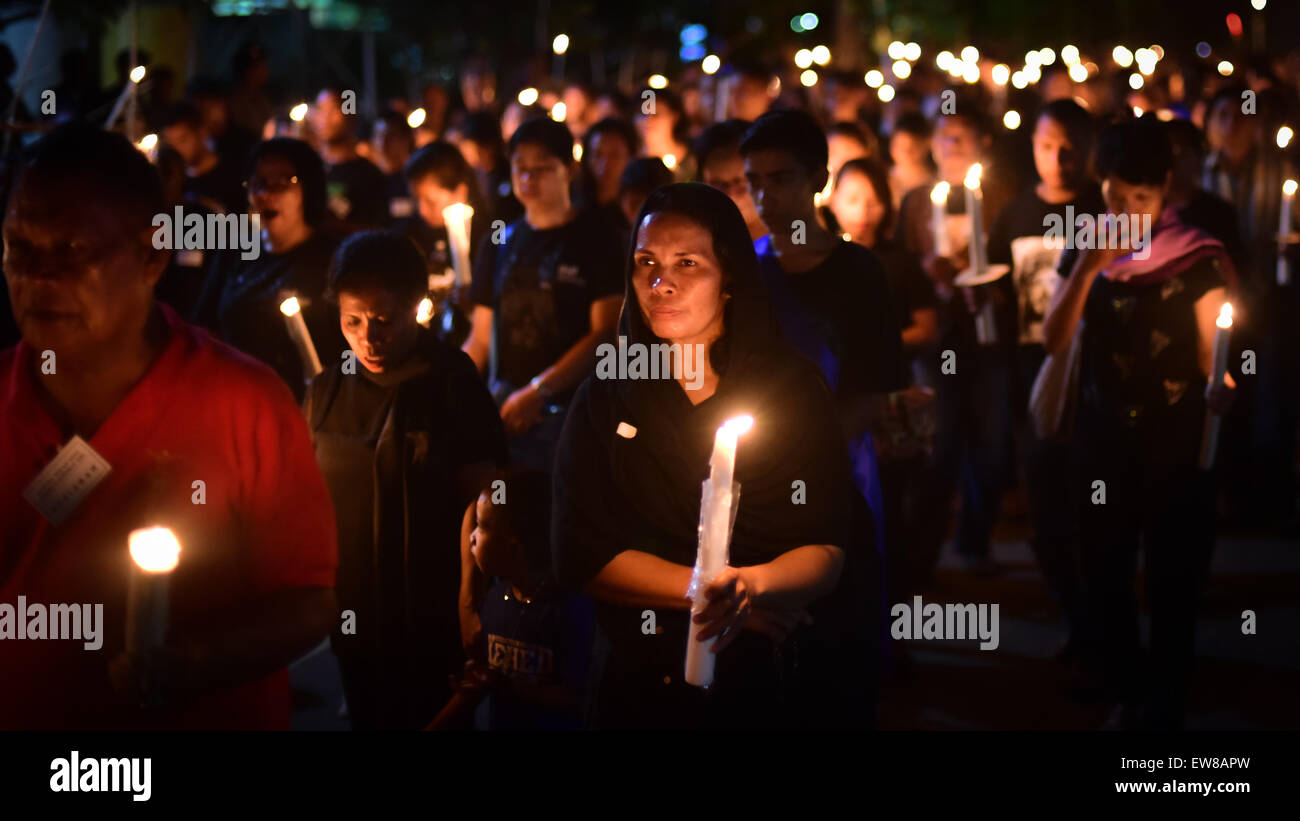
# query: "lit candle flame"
1289 187
298 113
560 44
457 211
154 549
939 194
137 74
416 118
670 160
1225 316
290 306
425 311
1284 135
739 425
973 176
148 142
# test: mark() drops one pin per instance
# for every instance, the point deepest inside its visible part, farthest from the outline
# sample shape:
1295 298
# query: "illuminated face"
726 172
540 179
781 187
1055 156
856 206
908 150
187 142
275 194
841 149
678 280
379 327
609 156
956 147
79 281
1136 200
432 198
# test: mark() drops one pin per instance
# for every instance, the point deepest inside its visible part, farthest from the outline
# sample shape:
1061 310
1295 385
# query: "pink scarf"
1175 247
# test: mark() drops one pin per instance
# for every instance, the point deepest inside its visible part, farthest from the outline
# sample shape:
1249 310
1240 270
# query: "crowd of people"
494 537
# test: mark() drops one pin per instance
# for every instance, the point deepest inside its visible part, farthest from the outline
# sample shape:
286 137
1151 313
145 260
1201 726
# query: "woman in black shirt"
1145 359
627 497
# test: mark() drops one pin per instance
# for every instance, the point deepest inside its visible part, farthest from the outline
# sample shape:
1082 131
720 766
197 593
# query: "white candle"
939 218
1210 435
457 218
716 507
154 553
975 210
1284 232
298 332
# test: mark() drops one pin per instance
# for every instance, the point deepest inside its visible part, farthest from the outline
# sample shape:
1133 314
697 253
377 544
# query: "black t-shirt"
357 192
182 280
1019 239
856 317
1139 365
241 303
910 288
540 285
546 641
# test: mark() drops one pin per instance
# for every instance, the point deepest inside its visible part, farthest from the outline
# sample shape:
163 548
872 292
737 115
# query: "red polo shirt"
202 413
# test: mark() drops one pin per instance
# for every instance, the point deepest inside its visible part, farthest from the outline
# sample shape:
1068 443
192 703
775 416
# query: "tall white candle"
975 210
1210 435
457 217
1284 232
716 507
939 218
155 553
301 338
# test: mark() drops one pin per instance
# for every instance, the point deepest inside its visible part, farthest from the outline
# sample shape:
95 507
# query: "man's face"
539 178
726 172
1055 156
328 117
908 149
782 189
609 156
80 278
1228 130
185 140
749 99
956 147
432 198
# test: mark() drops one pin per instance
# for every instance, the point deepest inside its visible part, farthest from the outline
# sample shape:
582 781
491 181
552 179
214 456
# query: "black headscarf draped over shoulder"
640 489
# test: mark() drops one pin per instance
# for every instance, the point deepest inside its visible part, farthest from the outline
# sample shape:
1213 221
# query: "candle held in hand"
155 552
457 218
301 338
717 508
1284 232
939 218
1210 433
975 210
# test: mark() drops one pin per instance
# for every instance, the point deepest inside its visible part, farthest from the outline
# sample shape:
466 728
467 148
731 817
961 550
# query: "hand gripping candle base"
155 553
719 502
301 338
1210 434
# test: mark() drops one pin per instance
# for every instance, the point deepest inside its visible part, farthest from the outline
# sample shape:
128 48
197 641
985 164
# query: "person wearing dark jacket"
627 496
406 438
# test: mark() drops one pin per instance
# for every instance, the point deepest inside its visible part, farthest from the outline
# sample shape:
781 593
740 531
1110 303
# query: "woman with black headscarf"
627 497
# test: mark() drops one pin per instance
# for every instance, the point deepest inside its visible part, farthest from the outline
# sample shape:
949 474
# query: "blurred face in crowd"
80 275
749 98
187 142
328 118
1134 199
275 194
841 149
657 130
390 147
495 550
379 326
540 179
956 147
432 198
609 156
781 187
726 172
857 207
1056 158
1227 129
578 109
214 112
908 150
677 279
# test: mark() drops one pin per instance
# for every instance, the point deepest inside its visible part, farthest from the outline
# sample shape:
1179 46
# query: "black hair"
397 126
306 164
552 137
1135 151
444 162
719 138
184 113
969 109
643 175
105 166
914 123
878 177
485 129
379 259
616 127
794 132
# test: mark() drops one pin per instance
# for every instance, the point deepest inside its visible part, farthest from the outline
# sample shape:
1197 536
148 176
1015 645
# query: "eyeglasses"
274 186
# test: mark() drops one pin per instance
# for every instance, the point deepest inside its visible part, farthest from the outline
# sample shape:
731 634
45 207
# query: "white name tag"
69 477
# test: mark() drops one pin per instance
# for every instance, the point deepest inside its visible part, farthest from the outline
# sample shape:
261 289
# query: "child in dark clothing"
531 654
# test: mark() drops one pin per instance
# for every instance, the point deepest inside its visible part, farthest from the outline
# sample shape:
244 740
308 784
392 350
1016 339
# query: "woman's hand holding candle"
730 599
